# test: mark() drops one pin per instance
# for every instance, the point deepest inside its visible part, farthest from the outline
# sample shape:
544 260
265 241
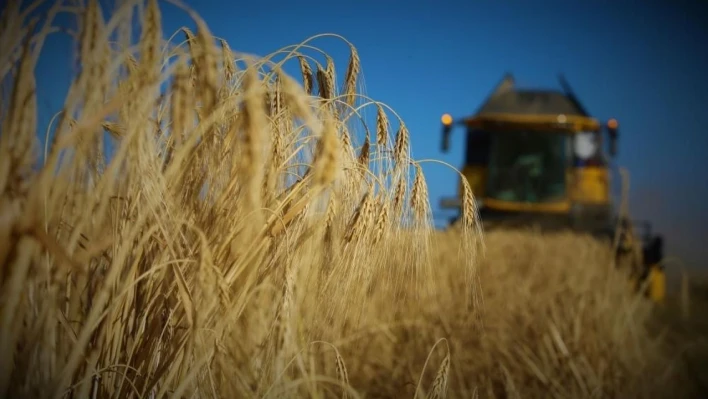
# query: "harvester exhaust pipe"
447 129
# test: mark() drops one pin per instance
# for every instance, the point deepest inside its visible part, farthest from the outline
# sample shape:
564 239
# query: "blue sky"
640 62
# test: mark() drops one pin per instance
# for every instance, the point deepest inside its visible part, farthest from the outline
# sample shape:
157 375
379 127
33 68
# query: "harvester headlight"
446 119
585 145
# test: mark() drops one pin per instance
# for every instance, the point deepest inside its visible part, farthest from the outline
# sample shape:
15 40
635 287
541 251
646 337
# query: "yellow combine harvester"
535 157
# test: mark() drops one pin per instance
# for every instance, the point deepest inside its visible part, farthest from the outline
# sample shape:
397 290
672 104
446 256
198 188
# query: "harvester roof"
507 99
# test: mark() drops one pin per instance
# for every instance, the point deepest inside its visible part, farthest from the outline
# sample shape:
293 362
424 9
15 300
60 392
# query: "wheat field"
200 223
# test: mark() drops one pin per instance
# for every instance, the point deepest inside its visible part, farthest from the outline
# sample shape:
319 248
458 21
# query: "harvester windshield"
527 166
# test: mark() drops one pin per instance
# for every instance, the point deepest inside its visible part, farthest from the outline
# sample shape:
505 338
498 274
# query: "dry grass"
243 241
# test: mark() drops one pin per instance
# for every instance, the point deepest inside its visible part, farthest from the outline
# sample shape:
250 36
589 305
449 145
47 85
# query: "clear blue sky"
642 62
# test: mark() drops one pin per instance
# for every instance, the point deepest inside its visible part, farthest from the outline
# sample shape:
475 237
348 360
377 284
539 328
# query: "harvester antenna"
571 95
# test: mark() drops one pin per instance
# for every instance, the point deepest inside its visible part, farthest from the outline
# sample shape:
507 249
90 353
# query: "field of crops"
203 224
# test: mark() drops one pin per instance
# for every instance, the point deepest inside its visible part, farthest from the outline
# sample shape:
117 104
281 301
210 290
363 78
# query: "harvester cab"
536 157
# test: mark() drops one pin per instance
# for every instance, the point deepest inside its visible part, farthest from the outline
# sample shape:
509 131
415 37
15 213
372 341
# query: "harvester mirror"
654 251
612 126
445 145
447 128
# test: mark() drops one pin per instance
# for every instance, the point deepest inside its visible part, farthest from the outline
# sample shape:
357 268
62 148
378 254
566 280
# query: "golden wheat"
235 231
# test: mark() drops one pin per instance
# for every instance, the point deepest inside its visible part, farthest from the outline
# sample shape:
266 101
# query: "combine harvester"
535 158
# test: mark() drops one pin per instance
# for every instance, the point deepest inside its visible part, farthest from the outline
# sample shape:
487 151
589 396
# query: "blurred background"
642 63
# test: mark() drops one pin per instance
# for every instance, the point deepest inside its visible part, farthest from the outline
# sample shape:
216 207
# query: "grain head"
401 146
327 155
228 60
351 77
325 84
419 196
307 77
382 127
